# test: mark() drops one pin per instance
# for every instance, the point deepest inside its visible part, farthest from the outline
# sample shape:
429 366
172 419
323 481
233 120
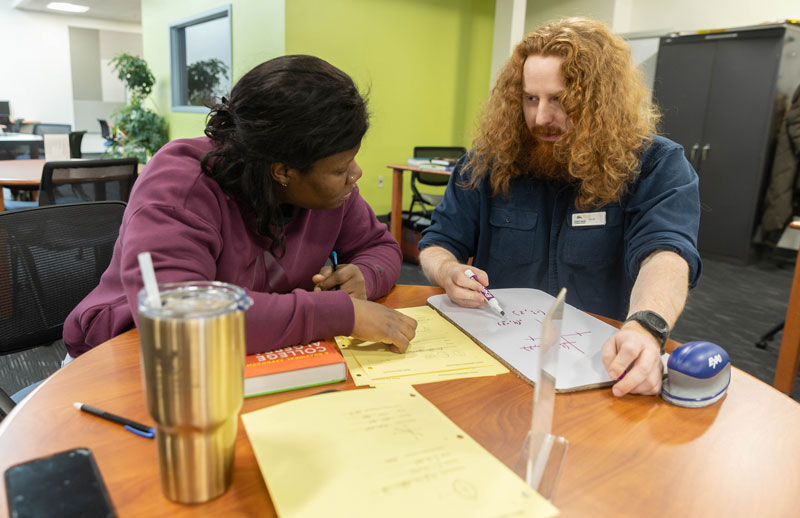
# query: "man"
568 186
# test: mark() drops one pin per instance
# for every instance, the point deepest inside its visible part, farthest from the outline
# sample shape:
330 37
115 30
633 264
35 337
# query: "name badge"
589 219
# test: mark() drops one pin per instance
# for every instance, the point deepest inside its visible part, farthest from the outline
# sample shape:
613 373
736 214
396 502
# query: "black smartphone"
66 484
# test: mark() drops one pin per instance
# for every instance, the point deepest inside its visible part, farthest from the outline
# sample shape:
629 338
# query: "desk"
396 225
25 174
634 456
12 140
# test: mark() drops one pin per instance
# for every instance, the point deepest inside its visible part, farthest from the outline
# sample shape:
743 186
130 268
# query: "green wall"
257 28
423 63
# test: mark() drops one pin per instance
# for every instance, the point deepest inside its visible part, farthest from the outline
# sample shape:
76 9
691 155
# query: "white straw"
149 277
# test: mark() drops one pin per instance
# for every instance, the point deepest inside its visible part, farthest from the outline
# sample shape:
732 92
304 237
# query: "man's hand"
347 277
377 323
461 289
443 269
661 286
633 356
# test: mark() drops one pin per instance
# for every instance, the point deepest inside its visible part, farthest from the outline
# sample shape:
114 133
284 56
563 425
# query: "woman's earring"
285 184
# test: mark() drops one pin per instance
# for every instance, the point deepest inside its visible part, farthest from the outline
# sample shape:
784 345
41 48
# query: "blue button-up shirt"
535 238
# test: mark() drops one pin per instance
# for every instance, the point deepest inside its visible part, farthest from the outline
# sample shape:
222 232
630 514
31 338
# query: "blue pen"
131 426
335 263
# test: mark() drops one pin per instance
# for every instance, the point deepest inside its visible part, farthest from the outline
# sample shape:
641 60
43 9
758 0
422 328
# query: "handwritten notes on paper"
384 452
438 352
515 338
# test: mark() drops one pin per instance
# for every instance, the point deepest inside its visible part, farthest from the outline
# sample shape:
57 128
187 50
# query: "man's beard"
543 162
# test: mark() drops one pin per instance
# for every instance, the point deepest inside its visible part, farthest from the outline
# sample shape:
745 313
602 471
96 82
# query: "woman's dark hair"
294 110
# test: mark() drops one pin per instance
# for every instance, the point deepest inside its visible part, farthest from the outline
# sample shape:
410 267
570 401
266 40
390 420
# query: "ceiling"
129 11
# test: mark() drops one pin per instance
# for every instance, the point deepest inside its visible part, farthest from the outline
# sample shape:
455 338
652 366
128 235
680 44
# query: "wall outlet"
380 180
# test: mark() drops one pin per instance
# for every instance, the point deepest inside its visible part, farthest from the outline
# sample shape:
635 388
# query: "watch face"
656 321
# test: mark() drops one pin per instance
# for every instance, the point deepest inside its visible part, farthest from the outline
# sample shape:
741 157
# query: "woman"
261 202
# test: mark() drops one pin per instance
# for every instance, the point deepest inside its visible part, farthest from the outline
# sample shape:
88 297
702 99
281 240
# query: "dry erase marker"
131 426
486 293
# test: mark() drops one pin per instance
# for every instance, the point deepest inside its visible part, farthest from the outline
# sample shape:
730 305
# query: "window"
200 49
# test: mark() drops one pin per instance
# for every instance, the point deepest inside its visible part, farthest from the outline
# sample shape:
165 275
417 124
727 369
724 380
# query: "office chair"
106 133
49 129
50 259
44 129
75 139
432 179
87 180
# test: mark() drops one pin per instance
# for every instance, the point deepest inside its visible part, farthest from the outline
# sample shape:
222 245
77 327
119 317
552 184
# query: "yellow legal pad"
384 452
439 351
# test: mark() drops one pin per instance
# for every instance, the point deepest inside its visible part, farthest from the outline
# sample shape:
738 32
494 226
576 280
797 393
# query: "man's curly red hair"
612 117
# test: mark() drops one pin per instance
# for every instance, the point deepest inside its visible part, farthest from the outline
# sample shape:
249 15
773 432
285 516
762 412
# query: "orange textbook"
298 366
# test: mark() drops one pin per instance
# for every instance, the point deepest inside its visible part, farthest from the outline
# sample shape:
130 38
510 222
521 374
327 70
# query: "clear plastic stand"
542 452
549 472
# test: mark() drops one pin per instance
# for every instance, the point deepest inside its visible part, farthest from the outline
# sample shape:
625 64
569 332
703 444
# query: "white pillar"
509 29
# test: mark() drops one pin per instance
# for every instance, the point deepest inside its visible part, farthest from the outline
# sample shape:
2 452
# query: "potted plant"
138 131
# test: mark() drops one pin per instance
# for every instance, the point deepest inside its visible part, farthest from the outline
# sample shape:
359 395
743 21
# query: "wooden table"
22 174
631 456
396 224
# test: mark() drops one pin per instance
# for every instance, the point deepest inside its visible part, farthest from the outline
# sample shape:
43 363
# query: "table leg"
789 354
396 226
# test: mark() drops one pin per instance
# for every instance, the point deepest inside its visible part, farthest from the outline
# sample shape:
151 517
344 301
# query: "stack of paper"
438 352
384 452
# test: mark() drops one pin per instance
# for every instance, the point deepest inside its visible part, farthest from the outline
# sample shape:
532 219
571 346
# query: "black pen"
131 426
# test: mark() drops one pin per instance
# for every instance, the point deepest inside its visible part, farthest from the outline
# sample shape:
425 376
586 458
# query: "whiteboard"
514 339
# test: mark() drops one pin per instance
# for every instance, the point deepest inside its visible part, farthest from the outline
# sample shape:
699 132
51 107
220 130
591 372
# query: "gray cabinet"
718 94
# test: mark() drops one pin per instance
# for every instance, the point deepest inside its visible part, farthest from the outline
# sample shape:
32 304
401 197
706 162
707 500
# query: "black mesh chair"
50 259
49 129
106 133
37 149
75 140
87 180
432 179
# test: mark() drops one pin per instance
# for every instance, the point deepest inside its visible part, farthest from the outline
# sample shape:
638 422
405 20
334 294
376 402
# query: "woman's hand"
347 277
377 323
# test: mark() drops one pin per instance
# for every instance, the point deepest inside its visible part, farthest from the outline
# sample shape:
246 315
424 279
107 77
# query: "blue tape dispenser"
698 374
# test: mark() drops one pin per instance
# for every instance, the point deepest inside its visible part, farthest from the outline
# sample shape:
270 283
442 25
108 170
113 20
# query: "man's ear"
279 172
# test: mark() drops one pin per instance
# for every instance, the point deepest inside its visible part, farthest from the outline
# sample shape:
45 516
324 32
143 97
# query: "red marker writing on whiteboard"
486 294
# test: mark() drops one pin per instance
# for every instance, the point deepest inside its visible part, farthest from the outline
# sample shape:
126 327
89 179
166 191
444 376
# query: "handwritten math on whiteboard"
516 337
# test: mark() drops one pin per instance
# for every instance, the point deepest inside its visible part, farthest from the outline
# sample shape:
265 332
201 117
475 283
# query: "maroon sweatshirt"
195 231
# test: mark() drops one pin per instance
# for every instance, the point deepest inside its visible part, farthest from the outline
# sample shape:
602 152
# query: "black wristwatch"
654 323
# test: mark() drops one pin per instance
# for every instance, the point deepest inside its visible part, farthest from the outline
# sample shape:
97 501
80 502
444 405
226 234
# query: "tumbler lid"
195 299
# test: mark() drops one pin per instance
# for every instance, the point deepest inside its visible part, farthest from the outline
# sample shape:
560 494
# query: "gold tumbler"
193 350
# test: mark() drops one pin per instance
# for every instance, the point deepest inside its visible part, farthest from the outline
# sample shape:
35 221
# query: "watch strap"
645 319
